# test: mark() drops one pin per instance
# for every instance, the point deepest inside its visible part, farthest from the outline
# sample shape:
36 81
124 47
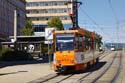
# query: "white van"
112 49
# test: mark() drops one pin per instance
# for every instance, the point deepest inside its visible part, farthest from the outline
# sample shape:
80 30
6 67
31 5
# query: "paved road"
27 71
121 78
23 72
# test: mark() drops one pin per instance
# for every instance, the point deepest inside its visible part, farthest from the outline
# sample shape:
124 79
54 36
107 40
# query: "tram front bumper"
62 68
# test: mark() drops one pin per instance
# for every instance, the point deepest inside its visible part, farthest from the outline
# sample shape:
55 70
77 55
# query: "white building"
40 11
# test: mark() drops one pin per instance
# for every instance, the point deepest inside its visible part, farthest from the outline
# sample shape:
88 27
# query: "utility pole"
74 13
117 35
15 28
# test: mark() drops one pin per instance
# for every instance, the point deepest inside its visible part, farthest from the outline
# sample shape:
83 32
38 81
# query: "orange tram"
75 50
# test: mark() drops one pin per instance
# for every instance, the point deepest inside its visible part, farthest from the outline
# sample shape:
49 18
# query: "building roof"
28 38
34 36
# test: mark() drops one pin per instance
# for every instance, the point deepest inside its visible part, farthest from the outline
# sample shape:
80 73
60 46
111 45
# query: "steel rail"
101 57
80 80
45 78
118 71
65 78
96 79
54 76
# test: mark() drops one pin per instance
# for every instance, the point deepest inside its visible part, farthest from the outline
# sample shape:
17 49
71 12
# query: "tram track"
113 72
88 74
77 78
104 55
108 74
101 57
105 70
45 78
57 78
118 71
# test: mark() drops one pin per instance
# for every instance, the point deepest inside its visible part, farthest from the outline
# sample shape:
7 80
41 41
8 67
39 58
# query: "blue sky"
105 18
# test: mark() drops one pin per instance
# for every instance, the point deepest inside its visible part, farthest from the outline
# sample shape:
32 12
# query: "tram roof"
66 31
82 31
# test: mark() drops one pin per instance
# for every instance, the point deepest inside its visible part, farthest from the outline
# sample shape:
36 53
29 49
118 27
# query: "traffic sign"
49 33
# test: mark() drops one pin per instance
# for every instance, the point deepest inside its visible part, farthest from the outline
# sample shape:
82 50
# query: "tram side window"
77 43
88 43
80 43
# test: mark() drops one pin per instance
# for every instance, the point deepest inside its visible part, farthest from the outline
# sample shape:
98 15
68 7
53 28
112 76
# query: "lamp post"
15 29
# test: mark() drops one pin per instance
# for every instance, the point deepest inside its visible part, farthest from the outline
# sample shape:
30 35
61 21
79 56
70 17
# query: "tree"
28 29
99 41
56 22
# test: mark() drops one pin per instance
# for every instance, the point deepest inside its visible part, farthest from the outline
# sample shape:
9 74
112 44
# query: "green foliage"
99 41
28 29
3 51
44 48
29 24
10 55
56 22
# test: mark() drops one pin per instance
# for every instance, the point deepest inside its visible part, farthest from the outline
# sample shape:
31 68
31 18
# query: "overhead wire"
116 18
94 22
113 11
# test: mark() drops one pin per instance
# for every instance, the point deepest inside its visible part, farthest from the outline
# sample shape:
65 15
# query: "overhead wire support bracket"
73 13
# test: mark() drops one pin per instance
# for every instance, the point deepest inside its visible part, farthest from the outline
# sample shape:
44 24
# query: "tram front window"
64 42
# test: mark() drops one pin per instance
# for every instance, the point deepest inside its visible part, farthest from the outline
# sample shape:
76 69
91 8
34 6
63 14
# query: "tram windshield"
64 42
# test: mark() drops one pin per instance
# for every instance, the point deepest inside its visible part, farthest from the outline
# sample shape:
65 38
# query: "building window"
51 3
55 3
47 18
39 28
46 4
46 11
67 26
56 10
65 10
65 18
37 11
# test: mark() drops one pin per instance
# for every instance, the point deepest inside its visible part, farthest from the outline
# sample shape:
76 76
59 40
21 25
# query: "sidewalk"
24 73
